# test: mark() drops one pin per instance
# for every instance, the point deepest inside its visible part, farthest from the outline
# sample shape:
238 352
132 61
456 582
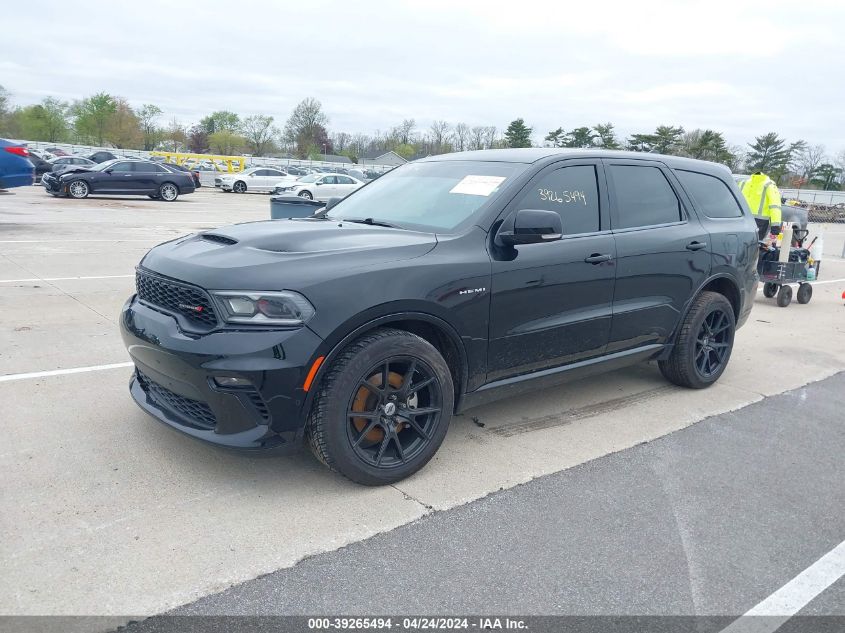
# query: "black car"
122 176
100 157
41 166
446 283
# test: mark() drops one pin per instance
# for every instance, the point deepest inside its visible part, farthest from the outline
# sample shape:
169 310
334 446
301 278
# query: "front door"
551 303
115 179
663 253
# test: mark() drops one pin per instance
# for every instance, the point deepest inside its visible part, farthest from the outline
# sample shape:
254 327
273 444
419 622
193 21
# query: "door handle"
696 246
597 258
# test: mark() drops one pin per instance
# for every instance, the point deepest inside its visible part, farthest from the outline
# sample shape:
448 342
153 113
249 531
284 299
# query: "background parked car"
121 176
41 166
57 151
63 163
194 173
101 156
256 179
15 168
320 186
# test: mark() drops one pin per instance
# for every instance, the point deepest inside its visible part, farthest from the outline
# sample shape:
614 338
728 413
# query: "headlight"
260 308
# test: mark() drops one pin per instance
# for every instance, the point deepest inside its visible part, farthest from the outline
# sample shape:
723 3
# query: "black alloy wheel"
713 343
394 412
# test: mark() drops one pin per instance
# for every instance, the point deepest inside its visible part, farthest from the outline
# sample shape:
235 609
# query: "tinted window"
710 194
571 192
272 172
643 197
145 168
344 180
122 167
330 180
161 169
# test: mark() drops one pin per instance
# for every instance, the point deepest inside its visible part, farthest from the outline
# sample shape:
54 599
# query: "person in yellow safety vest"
763 196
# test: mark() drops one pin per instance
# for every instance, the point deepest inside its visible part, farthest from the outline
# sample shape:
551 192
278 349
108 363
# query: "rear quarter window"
710 194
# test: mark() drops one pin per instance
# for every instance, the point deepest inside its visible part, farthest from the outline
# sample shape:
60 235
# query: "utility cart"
777 275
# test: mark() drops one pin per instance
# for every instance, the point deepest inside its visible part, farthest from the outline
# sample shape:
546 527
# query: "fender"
349 331
672 339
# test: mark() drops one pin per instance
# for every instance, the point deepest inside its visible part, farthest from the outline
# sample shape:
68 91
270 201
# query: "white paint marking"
793 596
15 281
62 372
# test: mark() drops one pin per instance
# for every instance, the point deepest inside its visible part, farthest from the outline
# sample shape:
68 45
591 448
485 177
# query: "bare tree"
476 137
341 141
259 132
490 134
304 124
404 131
806 160
439 133
460 136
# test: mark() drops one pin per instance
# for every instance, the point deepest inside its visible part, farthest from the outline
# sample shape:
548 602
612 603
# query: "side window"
145 168
345 180
571 192
122 167
161 169
330 180
273 172
710 194
643 197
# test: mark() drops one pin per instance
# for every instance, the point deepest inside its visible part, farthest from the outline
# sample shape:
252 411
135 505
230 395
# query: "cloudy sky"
744 68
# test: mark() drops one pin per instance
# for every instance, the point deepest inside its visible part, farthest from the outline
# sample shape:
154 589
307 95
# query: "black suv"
448 282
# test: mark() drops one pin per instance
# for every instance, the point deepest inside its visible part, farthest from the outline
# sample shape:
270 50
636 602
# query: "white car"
320 186
255 179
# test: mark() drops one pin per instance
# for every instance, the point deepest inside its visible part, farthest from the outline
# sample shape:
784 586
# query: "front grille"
189 301
196 412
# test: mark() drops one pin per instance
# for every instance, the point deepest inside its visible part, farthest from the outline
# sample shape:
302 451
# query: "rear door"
662 250
270 178
345 185
328 188
551 303
145 177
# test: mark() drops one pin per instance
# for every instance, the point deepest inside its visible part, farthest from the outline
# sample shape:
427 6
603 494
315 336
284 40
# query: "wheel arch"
441 334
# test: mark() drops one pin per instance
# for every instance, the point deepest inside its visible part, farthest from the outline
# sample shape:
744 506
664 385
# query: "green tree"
641 142
667 139
226 142
175 136
124 128
706 145
260 134
826 177
518 134
303 126
579 137
769 154
555 137
606 136
93 115
148 114
221 120
46 121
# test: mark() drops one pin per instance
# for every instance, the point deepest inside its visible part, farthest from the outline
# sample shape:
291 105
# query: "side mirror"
332 202
317 184
530 226
109 170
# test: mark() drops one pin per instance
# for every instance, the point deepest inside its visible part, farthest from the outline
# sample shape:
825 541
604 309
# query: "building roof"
334 158
379 153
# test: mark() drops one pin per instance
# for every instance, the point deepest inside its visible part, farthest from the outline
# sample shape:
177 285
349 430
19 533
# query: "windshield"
429 196
103 165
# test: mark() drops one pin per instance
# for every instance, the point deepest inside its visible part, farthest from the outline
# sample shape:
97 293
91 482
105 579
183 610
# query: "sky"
742 68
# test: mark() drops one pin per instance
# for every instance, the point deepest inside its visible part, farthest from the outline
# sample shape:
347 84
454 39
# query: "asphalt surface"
705 521
104 511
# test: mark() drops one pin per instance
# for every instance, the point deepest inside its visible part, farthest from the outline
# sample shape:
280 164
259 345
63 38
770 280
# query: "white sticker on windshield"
478 185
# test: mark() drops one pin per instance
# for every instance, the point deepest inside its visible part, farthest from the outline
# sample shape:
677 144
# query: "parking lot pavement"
96 495
707 521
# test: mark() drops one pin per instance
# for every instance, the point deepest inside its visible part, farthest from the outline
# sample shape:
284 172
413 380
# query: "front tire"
306 194
168 192
383 409
78 189
704 344
239 187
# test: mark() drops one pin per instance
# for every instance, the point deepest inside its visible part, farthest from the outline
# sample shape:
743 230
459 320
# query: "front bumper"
175 370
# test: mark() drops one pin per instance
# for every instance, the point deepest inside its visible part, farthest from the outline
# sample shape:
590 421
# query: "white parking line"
14 281
62 372
793 596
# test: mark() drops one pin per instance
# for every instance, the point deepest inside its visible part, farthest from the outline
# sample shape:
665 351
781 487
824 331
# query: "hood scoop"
218 239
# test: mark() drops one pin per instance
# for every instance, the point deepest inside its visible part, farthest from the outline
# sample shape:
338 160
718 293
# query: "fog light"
231 381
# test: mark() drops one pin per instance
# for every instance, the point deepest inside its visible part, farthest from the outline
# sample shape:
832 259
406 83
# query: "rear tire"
805 293
78 189
704 344
401 424
784 296
168 192
769 289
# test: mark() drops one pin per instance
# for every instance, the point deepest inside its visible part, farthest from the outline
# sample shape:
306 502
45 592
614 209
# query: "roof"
535 154
378 153
334 158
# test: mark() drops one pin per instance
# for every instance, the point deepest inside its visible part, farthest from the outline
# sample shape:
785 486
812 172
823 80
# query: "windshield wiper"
371 222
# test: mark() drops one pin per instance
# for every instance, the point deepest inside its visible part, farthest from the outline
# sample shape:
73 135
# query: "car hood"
72 169
283 254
